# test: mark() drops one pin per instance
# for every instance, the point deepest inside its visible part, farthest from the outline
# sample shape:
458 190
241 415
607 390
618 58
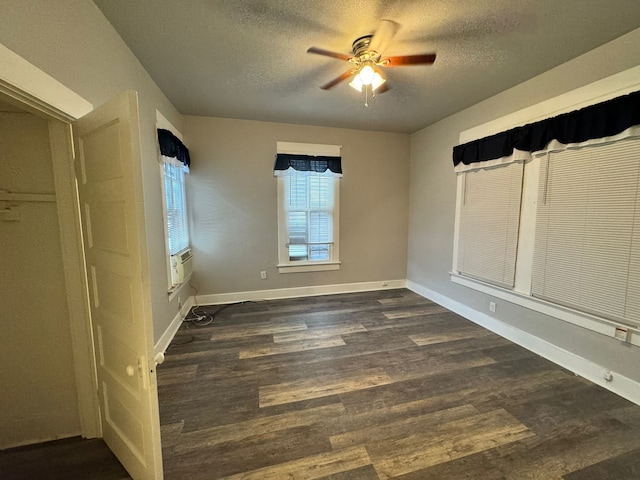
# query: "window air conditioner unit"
181 266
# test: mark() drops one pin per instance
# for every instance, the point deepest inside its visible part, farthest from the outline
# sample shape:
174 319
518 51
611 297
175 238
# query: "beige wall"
38 390
73 42
232 197
433 192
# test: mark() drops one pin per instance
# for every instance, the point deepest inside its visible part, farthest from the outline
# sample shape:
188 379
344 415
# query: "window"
577 245
176 214
587 248
308 201
308 205
489 220
175 160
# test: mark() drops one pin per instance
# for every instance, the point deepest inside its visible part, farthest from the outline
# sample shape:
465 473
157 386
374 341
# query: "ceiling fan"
367 58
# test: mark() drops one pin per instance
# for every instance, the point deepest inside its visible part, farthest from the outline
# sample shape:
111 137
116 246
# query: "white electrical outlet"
492 306
622 334
263 274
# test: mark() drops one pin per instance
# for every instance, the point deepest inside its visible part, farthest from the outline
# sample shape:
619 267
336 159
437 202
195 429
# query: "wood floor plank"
549 454
312 467
446 442
485 379
238 431
415 312
437 365
621 467
240 331
263 450
67 459
178 374
403 299
422 339
318 332
291 347
384 432
322 386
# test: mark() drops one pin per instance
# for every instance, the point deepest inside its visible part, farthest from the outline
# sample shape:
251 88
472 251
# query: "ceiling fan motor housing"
360 45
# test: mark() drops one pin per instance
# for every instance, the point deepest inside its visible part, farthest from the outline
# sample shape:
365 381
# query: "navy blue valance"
307 163
171 146
602 120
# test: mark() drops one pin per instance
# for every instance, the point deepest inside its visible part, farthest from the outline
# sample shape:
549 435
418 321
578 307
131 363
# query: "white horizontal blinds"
587 249
489 221
177 228
309 213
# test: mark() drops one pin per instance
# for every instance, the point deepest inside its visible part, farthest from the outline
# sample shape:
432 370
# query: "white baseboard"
278 293
165 339
621 385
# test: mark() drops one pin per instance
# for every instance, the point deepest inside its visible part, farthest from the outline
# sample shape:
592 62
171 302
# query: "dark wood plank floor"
68 459
379 385
362 386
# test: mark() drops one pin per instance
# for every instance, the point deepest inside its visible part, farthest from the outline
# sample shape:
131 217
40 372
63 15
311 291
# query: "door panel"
109 186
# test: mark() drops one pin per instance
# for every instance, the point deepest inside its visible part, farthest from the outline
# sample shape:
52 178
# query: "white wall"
75 44
433 192
38 400
232 197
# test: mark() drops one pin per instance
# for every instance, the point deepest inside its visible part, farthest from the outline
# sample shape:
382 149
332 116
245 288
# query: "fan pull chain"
366 95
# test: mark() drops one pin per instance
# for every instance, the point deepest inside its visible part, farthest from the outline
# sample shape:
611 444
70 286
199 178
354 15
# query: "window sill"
308 267
173 290
591 322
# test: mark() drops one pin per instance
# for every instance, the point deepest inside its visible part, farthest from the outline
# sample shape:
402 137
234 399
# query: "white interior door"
109 186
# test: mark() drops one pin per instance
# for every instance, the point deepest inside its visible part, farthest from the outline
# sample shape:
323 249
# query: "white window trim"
172 290
284 264
608 88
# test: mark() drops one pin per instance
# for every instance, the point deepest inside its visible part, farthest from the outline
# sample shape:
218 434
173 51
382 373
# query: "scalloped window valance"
172 147
603 120
308 158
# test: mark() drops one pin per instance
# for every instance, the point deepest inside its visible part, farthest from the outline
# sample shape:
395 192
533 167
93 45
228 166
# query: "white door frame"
43 95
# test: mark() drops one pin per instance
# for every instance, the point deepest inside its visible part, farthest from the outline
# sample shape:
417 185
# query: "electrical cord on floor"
199 317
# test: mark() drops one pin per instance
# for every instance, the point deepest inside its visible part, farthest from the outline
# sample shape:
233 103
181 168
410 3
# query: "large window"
308 207
561 235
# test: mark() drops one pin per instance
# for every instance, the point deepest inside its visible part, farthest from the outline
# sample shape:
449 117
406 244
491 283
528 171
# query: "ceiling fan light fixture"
377 81
367 75
367 59
356 83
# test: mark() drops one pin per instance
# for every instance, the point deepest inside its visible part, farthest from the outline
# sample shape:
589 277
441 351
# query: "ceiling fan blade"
336 80
420 59
385 32
329 53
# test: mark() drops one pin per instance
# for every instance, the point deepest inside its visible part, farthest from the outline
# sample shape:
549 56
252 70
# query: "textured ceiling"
247 58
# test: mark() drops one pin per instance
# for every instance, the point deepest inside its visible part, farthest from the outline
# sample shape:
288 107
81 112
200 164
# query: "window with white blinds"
308 205
176 207
488 223
587 244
